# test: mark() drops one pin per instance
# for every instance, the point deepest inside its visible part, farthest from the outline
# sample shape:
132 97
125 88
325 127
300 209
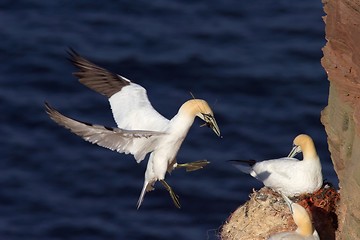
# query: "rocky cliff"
341 119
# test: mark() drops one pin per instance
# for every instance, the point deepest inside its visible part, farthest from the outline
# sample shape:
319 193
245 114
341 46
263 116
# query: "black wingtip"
47 106
72 54
49 109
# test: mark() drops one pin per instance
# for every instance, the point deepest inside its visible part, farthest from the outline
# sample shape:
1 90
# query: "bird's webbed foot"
193 166
173 195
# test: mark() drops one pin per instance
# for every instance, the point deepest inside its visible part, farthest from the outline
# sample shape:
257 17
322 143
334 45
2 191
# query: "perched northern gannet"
141 129
288 175
305 230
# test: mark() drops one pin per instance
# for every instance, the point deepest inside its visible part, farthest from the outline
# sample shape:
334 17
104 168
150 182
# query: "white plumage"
305 230
141 129
289 175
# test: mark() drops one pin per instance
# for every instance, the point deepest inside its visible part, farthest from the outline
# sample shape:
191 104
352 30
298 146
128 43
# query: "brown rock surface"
341 117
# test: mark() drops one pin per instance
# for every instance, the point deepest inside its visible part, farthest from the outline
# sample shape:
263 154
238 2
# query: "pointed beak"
294 151
288 202
213 125
210 122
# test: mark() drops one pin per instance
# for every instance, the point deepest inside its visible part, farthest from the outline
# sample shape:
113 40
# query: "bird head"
302 143
200 108
301 217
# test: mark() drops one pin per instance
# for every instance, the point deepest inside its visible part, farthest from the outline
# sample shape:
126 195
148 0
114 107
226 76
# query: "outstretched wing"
97 78
138 143
130 105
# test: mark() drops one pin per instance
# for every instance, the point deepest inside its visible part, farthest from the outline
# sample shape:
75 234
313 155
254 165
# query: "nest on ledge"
266 213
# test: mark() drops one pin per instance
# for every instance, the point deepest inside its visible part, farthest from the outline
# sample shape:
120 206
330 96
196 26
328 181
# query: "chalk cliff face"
341 117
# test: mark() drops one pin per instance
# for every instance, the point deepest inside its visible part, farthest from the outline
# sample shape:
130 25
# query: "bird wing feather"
97 78
243 165
280 169
132 110
129 102
138 143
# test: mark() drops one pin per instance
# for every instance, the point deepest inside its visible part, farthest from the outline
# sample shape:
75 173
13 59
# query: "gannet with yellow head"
288 175
140 128
305 230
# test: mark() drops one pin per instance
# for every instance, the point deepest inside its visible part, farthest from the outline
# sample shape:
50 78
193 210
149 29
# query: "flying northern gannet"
305 230
140 128
288 175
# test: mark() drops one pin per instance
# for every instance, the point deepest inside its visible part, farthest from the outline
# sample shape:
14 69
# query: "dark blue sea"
257 63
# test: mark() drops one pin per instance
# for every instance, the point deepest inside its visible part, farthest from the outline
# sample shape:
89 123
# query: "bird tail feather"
146 188
243 165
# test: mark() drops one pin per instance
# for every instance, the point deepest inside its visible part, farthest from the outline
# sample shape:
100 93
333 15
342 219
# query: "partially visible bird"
305 230
140 128
288 175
